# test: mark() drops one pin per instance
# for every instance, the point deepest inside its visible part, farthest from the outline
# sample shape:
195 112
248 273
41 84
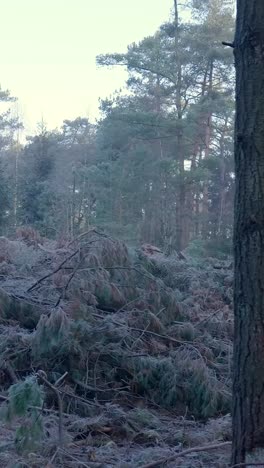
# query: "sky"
49 47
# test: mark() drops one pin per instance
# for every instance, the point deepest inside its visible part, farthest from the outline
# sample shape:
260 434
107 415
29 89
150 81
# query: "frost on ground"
112 356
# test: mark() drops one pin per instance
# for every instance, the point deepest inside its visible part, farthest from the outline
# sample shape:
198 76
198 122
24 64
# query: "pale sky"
48 50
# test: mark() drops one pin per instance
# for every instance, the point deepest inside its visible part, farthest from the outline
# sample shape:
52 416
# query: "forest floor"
112 356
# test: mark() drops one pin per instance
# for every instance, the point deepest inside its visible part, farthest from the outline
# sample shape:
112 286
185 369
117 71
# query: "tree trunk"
222 184
73 202
248 385
207 136
181 226
16 183
193 201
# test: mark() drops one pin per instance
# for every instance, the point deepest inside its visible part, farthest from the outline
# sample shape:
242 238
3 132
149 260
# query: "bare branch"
186 452
42 377
54 271
228 44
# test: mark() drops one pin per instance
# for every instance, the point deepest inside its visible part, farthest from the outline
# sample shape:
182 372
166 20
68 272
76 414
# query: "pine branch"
158 335
137 67
146 275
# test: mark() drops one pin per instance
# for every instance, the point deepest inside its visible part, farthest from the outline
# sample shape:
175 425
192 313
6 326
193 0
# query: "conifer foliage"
116 292
157 167
112 325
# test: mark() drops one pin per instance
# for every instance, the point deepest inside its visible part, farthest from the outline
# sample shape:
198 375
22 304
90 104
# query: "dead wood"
43 378
54 271
186 452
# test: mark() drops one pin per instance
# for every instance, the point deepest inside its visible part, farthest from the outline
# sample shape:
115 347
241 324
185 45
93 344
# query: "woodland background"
158 165
116 281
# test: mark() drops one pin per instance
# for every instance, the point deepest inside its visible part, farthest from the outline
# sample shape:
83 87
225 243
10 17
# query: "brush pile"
111 356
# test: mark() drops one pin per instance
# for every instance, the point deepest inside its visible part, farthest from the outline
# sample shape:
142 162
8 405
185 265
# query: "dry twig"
186 452
54 271
59 381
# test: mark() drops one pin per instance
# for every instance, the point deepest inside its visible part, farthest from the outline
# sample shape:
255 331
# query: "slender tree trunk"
160 184
208 135
193 192
248 386
73 203
86 203
16 185
17 151
197 214
180 205
222 187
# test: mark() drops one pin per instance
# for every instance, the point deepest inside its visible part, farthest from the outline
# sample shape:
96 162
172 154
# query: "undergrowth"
25 399
121 327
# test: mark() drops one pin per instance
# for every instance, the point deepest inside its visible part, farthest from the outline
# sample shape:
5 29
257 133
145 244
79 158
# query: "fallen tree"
108 325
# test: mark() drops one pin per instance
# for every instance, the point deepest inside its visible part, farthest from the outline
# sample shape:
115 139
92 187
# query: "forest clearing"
113 356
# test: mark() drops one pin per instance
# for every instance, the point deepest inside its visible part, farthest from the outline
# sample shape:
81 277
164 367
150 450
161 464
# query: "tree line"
158 164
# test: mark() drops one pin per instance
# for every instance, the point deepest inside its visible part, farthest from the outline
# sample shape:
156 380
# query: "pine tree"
38 163
8 126
180 118
248 396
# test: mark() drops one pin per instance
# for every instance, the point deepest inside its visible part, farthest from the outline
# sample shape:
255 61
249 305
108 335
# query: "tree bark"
248 384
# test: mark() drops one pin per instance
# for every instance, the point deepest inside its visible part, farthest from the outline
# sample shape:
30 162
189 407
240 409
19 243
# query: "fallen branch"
42 377
148 332
83 400
241 465
223 267
130 268
229 44
79 462
54 271
67 284
205 448
53 252
50 464
181 256
59 381
91 388
75 269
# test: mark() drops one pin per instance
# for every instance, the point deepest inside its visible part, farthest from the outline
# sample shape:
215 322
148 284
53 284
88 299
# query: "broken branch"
229 44
186 452
42 377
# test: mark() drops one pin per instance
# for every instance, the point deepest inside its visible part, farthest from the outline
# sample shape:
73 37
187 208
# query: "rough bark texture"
248 400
